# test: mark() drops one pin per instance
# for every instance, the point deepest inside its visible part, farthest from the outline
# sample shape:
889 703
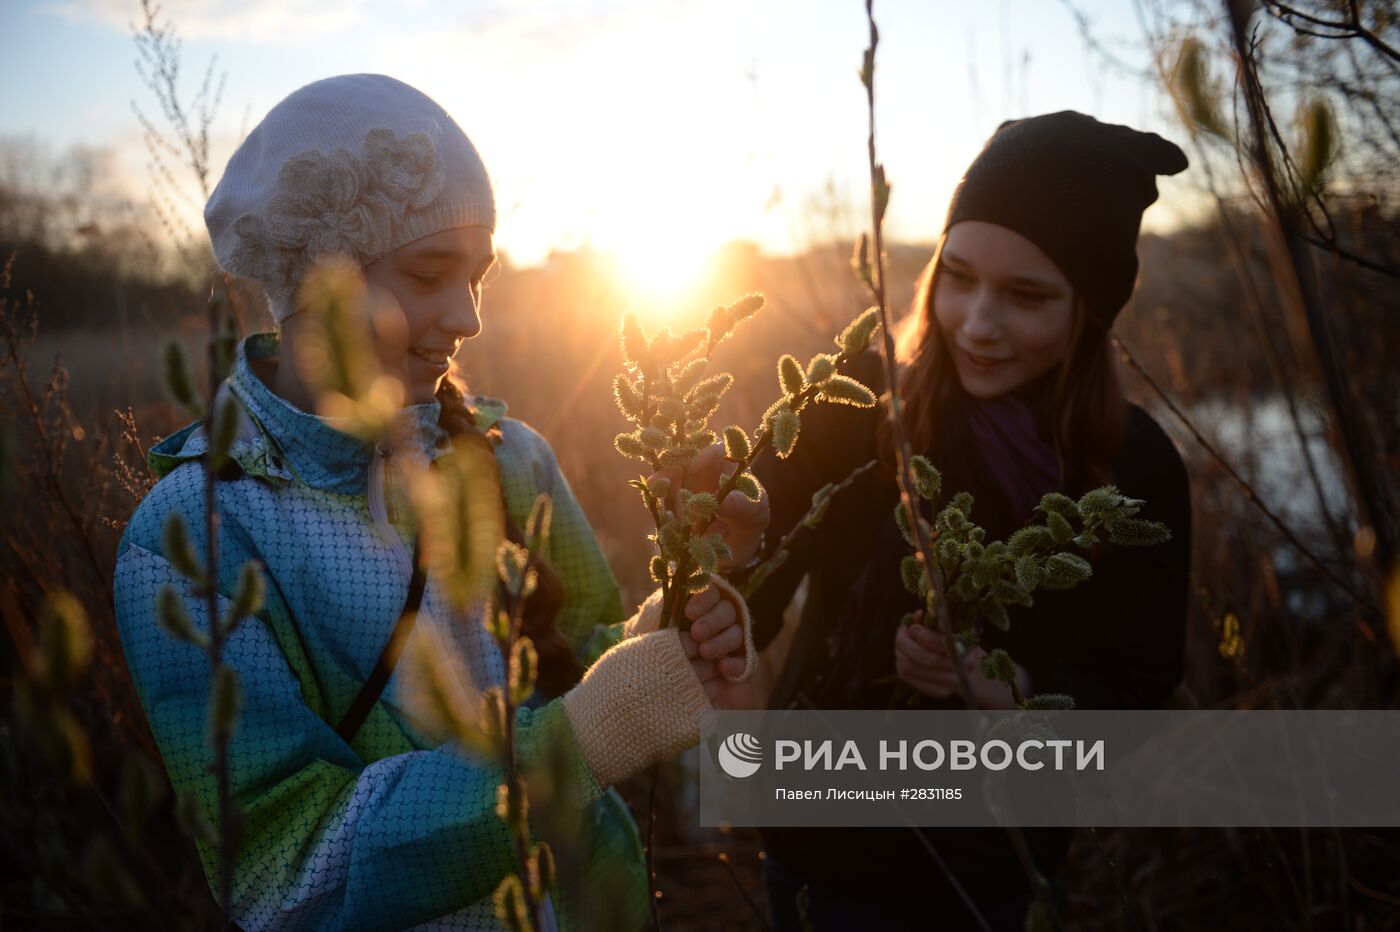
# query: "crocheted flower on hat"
336 203
257 257
406 170
327 203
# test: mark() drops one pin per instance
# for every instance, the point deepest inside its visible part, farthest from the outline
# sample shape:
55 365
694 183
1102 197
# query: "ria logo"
740 755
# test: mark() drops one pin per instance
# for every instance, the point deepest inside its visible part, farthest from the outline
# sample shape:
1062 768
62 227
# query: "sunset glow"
653 132
659 269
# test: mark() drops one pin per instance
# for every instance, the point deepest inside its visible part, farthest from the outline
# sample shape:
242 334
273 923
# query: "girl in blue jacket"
391 829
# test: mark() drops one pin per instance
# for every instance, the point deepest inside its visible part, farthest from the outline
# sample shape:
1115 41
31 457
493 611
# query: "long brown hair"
1090 411
559 671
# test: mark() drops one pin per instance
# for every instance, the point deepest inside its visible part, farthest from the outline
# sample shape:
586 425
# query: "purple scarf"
1012 449
989 443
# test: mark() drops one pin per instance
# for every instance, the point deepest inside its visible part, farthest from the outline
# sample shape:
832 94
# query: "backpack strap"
373 687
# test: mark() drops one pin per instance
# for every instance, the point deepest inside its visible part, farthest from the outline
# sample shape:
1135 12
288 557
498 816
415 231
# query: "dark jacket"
1115 641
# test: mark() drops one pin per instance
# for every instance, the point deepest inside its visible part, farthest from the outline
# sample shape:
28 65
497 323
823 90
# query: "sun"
660 268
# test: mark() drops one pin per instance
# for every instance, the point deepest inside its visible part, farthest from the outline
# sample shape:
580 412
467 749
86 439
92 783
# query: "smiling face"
427 299
1005 310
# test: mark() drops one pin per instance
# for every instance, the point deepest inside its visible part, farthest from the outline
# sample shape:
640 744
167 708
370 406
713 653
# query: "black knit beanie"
1077 189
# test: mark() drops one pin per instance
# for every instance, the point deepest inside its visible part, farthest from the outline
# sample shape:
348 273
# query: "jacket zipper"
381 509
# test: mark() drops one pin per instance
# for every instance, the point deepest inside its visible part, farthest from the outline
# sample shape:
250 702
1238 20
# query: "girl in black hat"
1008 385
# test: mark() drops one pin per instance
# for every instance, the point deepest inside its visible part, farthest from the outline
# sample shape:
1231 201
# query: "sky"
653 129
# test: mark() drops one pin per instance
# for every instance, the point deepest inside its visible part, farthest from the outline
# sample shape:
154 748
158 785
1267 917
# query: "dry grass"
549 348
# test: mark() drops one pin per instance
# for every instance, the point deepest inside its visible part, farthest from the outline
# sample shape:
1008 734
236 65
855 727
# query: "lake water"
1261 443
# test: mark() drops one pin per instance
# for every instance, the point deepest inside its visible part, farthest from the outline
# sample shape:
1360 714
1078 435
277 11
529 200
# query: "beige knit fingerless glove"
639 704
648 617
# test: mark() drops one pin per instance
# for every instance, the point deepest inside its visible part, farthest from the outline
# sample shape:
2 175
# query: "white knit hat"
358 164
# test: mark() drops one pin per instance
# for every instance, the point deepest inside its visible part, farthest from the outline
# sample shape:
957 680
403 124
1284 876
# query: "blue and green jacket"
393 830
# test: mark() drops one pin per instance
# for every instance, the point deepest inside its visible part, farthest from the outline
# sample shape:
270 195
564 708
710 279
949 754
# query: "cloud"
544 25
545 30
257 21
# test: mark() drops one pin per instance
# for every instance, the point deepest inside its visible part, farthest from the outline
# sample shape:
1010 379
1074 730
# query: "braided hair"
559 670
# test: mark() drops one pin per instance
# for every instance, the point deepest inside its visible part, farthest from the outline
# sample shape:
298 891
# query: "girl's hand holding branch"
719 643
922 661
716 641
740 521
641 701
